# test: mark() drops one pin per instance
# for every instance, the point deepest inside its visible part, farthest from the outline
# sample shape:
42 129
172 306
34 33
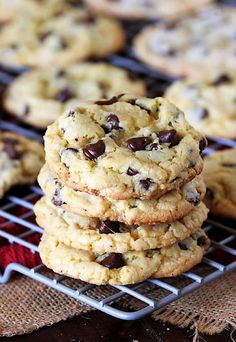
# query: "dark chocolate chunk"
93 151
167 136
109 227
113 121
145 183
113 260
228 164
183 246
222 79
64 95
26 110
132 101
9 146
63 43
202 144
114 99
131 172
210 194
201 241
138 144
44 35
56 200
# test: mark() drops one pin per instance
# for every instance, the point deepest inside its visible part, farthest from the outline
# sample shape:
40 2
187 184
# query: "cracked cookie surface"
127 268
169 207
219 174
125 147
40 96
20 160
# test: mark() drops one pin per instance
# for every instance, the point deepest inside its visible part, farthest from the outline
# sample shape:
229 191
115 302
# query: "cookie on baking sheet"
220 176
67 37
146 9
40 96
172 206
208 104
191 46
20 160
112 236
124 147
128 268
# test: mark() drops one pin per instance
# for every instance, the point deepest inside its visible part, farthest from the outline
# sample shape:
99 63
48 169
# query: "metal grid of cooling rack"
141 294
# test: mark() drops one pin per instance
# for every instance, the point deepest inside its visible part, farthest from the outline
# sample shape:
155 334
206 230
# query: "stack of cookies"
123 192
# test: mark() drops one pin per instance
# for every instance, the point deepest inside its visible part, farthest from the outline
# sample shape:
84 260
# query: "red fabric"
10 253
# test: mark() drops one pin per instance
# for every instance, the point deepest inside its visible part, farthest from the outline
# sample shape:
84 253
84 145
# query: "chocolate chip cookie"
209 103
67 37
220 174
124 147
107 236
20 160
194 45
172 206
121 269
146 9
40 96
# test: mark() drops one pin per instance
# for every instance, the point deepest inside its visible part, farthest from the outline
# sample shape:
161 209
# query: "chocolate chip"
204 114
131 172
71 114
109 227
167 136
9 146
153 147
201 241
202 144
63 43
194 198
44 35
56 200
61 73
114 99
222 79
228 164
113 121
183 246
93 151
26 110
113 260
64 95
138 144
132 102
145 183
210 194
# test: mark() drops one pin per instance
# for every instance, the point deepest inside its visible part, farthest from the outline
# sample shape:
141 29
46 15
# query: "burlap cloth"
26 305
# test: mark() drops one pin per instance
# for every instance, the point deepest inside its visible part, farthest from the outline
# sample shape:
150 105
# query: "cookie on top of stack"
123 192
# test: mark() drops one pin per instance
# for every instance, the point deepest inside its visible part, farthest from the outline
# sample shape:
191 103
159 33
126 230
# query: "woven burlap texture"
27 305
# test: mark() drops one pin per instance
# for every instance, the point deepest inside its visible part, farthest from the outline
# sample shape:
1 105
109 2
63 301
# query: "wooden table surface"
96 326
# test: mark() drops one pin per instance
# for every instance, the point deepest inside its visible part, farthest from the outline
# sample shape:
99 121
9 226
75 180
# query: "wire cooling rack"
145 297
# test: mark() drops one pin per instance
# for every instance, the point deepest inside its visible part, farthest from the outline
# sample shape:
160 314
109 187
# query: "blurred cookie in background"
220 174
209 103
39 97
146 9
59 40
20 160
195 45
